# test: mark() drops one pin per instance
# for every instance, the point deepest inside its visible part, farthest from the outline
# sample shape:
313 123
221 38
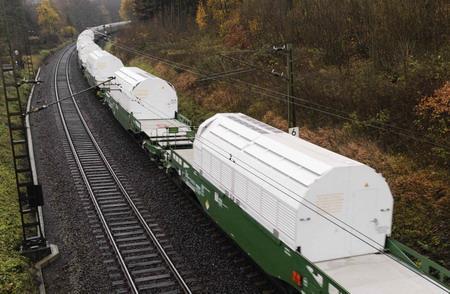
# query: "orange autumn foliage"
436 106
275 120
433 114
184 81
201 16
220 100
165 71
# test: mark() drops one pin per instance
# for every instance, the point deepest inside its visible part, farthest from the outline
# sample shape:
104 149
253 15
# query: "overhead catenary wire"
329 111
293 97
68 97
344 224
221 75
190 69
212 76
271 73
297 100
348 115
380 128
335 112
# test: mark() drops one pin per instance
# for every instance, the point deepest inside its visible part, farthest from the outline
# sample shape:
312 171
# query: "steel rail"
86 181
91 191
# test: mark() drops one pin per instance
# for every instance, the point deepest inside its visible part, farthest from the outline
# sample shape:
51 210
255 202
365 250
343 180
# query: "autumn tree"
48 18
221 10
201 16
226 17
126 11
68 31
434 118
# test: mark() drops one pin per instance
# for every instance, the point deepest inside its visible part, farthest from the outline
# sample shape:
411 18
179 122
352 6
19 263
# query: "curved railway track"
144 264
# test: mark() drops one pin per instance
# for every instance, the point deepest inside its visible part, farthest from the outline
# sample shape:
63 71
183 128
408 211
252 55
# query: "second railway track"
143 263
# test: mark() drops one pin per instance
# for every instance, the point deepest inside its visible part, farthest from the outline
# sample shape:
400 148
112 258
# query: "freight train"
314 220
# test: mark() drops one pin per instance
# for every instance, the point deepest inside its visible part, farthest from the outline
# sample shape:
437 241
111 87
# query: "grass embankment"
16 271
421 190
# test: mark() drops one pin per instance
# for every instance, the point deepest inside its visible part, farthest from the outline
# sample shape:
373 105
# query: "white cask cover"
101 65
144 95
307 196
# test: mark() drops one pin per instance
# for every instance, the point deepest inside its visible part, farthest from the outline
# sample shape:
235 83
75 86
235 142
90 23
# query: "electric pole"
290 71
287 76
292 121
30 198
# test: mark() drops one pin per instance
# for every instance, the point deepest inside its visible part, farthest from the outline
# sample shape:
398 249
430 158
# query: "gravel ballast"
79 268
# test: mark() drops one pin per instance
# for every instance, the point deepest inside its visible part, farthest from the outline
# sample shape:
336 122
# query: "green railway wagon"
386 266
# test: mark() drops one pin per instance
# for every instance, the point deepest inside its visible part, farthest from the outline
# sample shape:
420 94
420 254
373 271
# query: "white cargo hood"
145 95
101 65
296 189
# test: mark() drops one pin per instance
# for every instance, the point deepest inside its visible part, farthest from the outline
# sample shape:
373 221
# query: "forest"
375 61
371 82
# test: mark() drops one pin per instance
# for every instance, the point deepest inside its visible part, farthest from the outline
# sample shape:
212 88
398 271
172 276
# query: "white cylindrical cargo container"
84 52
101 65
145 95
308 197
84 38
87 34
83 42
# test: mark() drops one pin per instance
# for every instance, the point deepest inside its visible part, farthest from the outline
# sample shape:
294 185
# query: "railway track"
141 261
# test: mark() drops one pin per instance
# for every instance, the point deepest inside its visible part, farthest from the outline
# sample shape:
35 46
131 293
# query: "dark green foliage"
169 12
82 13
19 23
112 6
